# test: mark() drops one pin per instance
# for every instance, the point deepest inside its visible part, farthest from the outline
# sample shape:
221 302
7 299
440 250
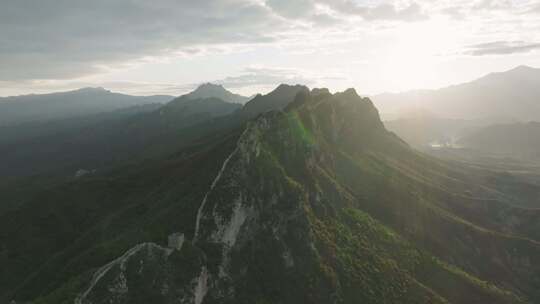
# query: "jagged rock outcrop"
149 273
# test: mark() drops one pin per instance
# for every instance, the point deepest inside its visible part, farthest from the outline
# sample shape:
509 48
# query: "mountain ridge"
302 197
16 110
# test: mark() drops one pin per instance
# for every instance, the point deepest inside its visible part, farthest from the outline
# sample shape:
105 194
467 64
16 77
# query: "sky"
146 47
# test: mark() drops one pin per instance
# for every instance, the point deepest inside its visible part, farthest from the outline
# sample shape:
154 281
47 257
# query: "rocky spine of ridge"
221 220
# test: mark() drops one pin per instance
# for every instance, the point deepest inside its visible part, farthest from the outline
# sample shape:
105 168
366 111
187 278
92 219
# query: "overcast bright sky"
168 46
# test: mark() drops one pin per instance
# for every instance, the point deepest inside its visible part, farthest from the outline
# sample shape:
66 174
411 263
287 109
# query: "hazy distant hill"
208 90
207 97
86 101
108 138
519 140
423 131
513 95
14 134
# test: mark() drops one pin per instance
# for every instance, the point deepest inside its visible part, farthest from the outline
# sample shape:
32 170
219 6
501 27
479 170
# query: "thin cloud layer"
65 39
314 9
70 39
502 48
263 76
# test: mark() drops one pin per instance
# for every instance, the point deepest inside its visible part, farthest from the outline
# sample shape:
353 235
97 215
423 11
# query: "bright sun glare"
418 48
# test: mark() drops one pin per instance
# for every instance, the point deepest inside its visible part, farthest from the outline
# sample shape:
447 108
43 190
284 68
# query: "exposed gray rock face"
176 241
229 219
147 273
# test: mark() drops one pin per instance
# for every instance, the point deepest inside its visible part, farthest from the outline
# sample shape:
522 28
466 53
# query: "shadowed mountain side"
46 107
275 100
101 140
102 143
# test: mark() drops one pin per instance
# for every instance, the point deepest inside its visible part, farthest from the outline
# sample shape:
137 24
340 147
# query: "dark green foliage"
61 148
334 168
86 223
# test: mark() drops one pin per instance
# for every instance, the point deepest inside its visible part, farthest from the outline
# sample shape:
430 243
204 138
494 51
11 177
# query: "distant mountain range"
86 101
98 140
34 108
208 90
442 117
498 97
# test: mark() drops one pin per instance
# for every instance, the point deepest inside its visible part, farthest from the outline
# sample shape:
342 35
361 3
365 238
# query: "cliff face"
320 204
148 273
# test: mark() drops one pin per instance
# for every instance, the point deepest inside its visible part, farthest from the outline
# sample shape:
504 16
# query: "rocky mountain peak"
210 90
210 87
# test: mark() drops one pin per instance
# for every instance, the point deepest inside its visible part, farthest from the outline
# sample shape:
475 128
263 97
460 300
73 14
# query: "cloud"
251 80
261 79
534 9
412 12
492 5
255 79
66 39
265 76
312 9
71 40
455 12
502 48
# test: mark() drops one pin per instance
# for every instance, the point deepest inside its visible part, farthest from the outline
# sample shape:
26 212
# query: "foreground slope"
317 203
